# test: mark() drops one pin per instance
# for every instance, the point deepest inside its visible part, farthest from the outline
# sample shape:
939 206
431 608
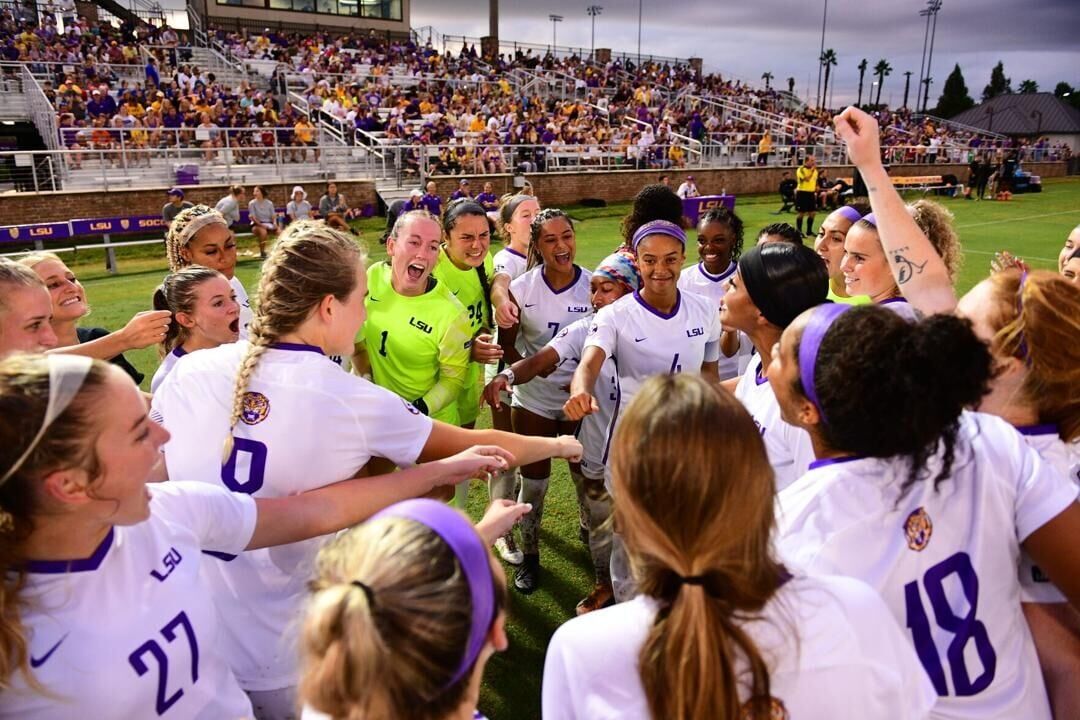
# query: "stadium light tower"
933 6
593 11
554 19
824 17
931 10
639 8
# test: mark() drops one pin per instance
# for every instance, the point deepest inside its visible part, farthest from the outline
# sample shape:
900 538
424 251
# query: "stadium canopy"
1028 114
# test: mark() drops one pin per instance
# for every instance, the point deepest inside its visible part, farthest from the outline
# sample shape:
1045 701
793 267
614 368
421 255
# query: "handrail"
939 121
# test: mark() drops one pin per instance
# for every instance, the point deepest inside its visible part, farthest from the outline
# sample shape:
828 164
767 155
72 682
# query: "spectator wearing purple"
101 104
488 199
431 200
461 192
152 73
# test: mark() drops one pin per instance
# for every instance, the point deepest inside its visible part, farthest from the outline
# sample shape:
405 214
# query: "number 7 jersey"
944 559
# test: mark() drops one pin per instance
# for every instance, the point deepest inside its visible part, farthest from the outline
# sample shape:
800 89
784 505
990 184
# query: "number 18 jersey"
944 559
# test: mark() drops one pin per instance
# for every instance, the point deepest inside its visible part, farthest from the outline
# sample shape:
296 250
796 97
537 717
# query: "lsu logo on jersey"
255 408
695 332
578 308
918 529
777 710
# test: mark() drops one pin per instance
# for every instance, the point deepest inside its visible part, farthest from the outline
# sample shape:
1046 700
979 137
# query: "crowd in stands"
134 87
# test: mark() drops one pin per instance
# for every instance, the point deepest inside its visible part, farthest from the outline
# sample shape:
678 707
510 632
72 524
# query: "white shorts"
541 397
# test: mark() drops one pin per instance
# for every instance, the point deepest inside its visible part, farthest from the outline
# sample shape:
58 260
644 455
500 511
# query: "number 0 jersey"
304 424
131 631
944 559
413 341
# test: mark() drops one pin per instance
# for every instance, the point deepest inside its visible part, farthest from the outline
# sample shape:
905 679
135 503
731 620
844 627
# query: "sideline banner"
694 208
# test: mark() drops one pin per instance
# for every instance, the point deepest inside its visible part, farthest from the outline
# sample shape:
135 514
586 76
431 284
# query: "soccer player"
291 421
829 245
779 232
69 306
774 284
720 241
615 276
721 629
806 194
416 338
25 311
515 216
106 611
205 314
1071 246
552 295
928 503
364 640
659 329
200 236
1029 322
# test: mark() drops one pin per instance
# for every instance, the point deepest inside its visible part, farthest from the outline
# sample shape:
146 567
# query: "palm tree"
767 77
882 69
828 59
862 72
791 85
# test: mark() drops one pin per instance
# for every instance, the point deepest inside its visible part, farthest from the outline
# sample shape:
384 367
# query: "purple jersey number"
963 628
164 700
256 452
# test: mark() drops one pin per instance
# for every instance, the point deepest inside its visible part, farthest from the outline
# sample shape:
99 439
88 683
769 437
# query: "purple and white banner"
694 208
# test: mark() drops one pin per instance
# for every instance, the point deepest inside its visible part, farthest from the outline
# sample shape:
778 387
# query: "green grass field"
1031 226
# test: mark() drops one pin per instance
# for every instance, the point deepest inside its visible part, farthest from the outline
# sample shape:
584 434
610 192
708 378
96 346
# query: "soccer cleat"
602 596
527 578
508 550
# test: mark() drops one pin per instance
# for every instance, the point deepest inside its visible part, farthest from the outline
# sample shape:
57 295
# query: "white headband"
66 376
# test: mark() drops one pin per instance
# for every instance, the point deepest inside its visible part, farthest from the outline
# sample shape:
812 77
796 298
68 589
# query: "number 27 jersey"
944 559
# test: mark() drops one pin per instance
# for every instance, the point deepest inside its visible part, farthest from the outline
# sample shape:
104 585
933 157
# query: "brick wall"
58 206
557 189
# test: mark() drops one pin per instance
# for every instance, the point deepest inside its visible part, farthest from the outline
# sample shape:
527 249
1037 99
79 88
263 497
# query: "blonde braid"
309 261
187 223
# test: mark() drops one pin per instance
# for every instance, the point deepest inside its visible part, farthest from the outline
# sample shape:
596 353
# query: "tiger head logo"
777 710
917 529
255 408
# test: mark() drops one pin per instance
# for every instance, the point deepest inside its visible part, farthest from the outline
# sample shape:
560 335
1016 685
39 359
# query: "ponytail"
701 550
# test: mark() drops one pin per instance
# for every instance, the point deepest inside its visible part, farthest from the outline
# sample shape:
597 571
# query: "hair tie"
658 227
692 580
368 592
821 319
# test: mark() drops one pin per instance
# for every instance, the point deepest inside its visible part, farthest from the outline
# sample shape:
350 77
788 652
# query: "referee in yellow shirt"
806 194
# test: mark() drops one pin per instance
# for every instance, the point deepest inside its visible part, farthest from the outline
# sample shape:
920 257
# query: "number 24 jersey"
944 559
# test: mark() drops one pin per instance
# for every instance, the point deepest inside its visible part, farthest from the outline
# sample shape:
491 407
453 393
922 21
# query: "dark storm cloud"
1036 39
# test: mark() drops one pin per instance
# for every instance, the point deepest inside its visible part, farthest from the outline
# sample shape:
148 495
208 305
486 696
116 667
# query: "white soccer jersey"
131 631
789 449
509 261
944 559
166 367
246 315
832 649
644 342
699 280
1035 586
305 424
544 312
569 344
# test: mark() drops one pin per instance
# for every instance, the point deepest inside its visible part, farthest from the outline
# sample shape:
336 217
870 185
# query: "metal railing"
959 127
235 155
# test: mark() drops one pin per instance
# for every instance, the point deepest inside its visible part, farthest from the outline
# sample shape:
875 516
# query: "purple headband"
849 213
457 532
821 319
658 227
869 217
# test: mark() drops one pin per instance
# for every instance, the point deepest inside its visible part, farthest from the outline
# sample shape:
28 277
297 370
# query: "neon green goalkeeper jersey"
466 286
418 347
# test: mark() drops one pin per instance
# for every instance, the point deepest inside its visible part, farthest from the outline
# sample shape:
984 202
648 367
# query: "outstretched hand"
478 461
500 516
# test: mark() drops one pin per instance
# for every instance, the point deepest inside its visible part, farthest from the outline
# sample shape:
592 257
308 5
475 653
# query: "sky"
1036 39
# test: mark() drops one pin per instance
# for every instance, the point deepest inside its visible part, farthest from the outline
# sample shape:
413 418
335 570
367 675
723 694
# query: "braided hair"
534 257
309 261
187 223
